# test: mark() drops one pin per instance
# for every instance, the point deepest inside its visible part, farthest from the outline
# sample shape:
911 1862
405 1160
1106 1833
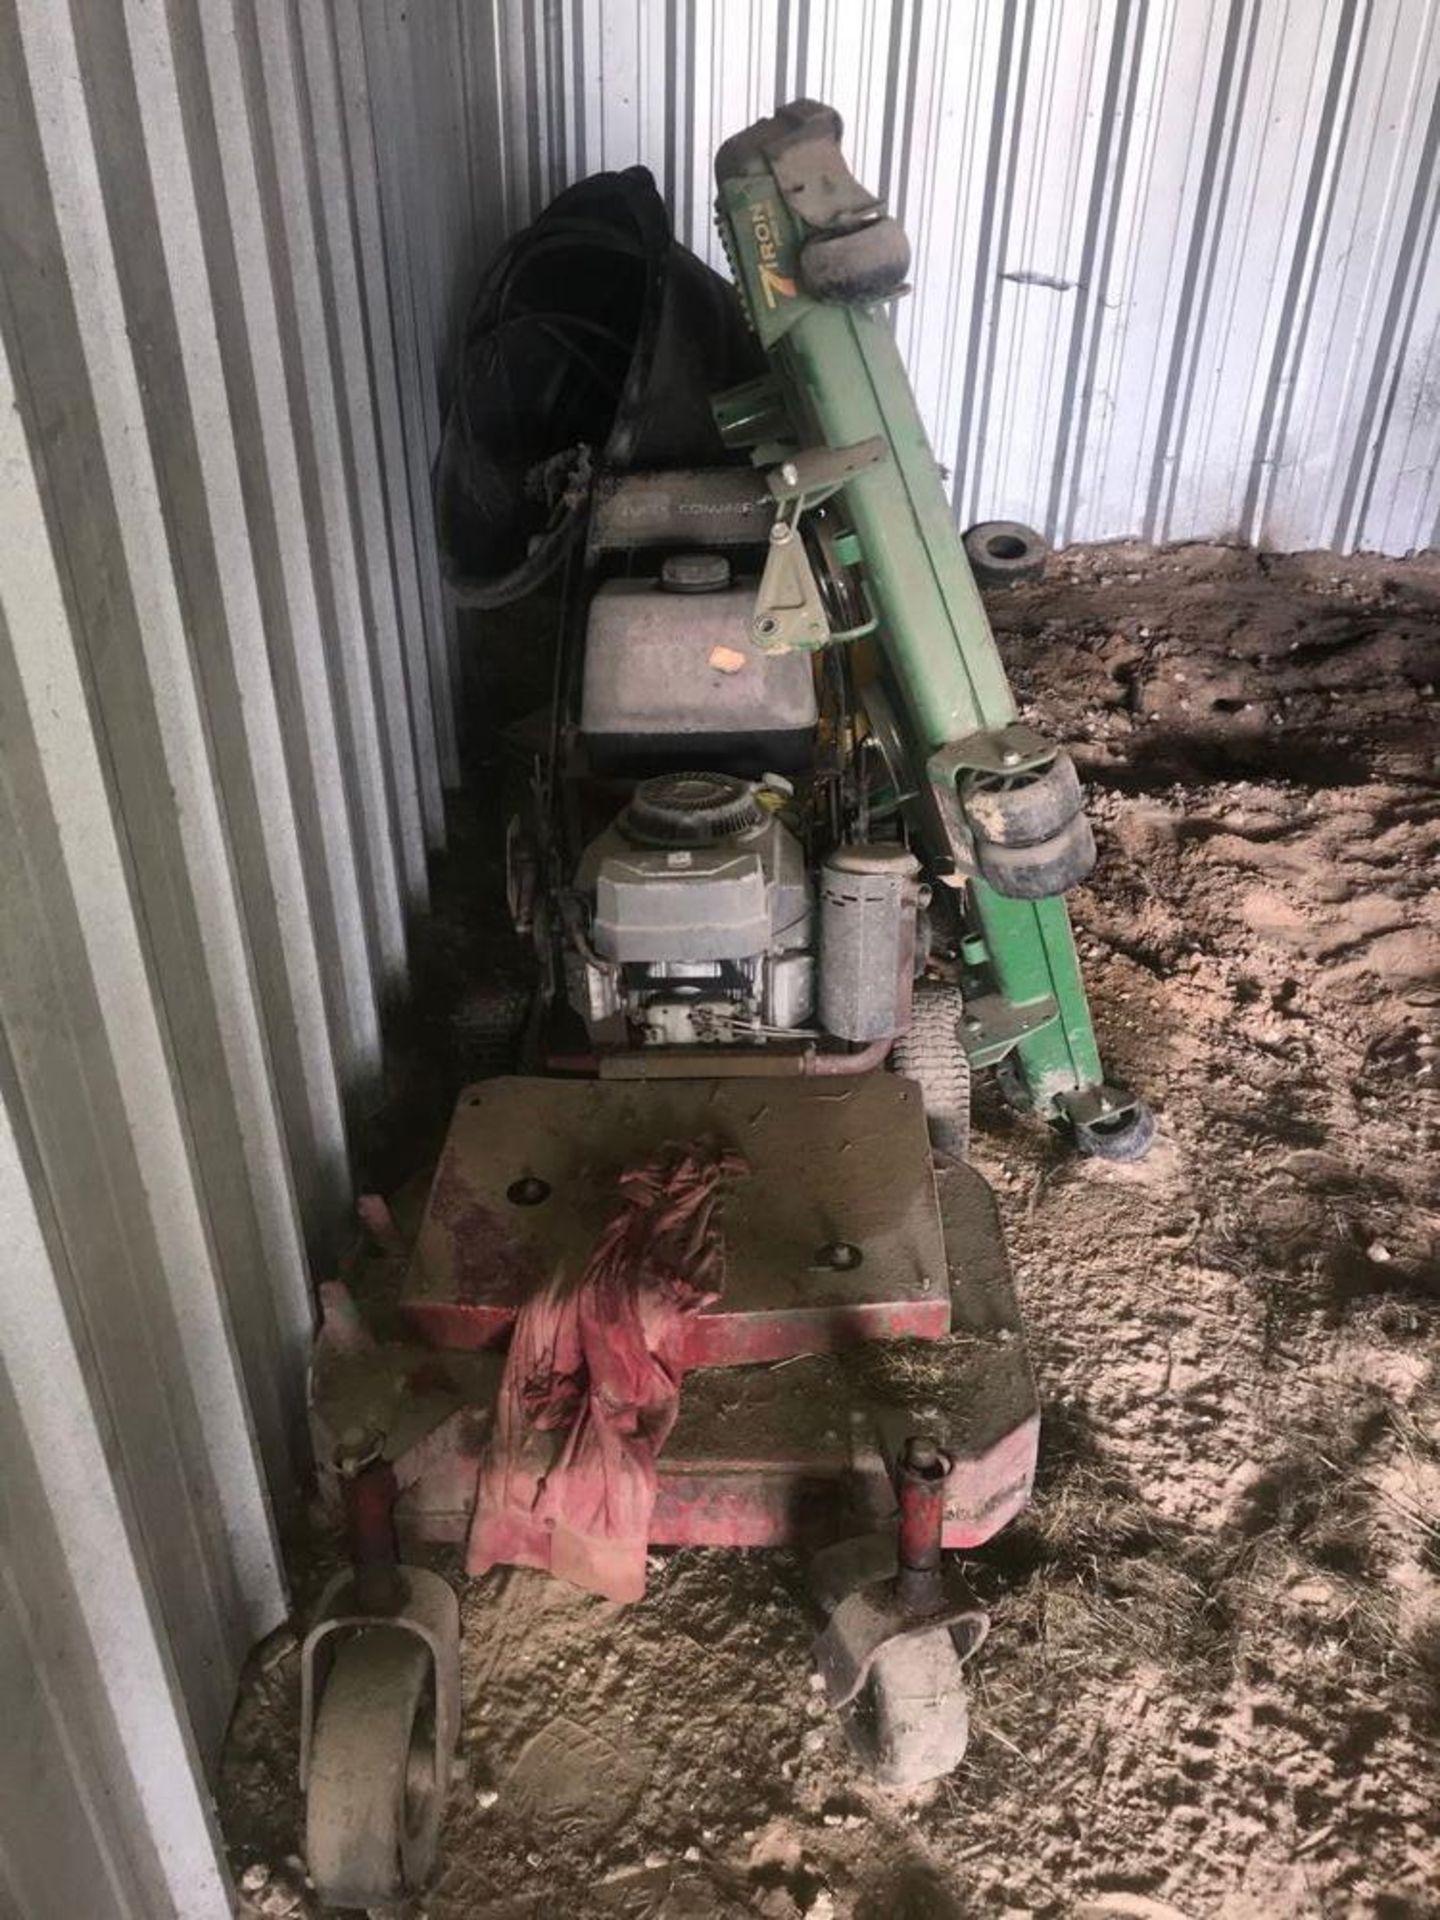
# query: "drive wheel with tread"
372 1801
931 1053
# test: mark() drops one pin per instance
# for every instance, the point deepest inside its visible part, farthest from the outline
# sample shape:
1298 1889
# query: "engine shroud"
701 917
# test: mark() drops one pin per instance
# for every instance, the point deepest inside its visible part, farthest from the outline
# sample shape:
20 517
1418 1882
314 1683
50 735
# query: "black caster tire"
1003 553
859 267
1127 1138
1025 808
1040 872
930 1052
372 1802
486 1029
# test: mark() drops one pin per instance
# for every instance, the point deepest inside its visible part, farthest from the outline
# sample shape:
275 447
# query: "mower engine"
702 919
702 914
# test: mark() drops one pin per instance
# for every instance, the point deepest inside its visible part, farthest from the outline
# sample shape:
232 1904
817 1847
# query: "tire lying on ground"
1002 553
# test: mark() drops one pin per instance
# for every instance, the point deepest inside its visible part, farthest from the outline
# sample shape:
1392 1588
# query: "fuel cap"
694 573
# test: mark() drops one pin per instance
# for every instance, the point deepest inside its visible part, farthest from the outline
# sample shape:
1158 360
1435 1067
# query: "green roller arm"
837 381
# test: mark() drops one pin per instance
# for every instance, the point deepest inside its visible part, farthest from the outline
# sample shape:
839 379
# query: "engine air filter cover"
690 810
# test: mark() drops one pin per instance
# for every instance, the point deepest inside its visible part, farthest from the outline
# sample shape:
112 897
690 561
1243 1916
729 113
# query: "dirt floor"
1213 1681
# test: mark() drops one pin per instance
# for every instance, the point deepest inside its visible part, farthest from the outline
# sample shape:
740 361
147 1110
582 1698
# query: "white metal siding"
1176 274
226 721
1176 271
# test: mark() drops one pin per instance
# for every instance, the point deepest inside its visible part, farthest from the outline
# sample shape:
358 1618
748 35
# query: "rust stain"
489 1261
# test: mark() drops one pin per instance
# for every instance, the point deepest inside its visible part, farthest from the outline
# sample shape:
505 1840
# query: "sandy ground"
1213 1682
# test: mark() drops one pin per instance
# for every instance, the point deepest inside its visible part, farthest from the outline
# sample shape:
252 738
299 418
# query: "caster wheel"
1129 1137
1002 553
930 1053
911 1721
373 1803
1023 809
1043 871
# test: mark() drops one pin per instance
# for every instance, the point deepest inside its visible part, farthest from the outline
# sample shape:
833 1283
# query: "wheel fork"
893 1648
377 1591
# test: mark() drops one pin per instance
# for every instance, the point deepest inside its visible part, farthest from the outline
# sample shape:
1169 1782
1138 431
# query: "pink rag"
591 1387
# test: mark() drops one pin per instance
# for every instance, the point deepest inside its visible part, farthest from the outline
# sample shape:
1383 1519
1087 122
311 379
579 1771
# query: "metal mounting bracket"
1010 749
814 178
812 475
991 1025
1088 1105
789 614
870 1621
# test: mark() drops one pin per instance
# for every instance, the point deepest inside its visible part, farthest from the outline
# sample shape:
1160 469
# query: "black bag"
594 344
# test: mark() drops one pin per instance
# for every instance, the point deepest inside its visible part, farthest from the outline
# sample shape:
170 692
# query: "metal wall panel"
1176 269
227 719
1176 274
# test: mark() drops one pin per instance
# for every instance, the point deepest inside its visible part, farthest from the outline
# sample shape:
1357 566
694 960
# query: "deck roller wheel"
858 267
1023 808
373 1803
1043 871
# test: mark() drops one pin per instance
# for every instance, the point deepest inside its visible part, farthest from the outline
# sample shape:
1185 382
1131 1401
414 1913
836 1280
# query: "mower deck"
832 1238
795 1445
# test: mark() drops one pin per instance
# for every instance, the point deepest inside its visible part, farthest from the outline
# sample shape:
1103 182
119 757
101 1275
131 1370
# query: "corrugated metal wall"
226 720
1176 274
1176 271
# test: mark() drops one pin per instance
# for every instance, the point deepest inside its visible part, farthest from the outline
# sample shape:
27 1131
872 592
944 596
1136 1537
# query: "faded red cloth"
592 1385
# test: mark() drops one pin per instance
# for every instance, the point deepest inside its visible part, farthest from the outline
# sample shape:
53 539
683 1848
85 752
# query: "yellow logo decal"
772 283
775 286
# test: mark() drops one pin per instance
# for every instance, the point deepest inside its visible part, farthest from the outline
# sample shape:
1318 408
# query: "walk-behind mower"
793 870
